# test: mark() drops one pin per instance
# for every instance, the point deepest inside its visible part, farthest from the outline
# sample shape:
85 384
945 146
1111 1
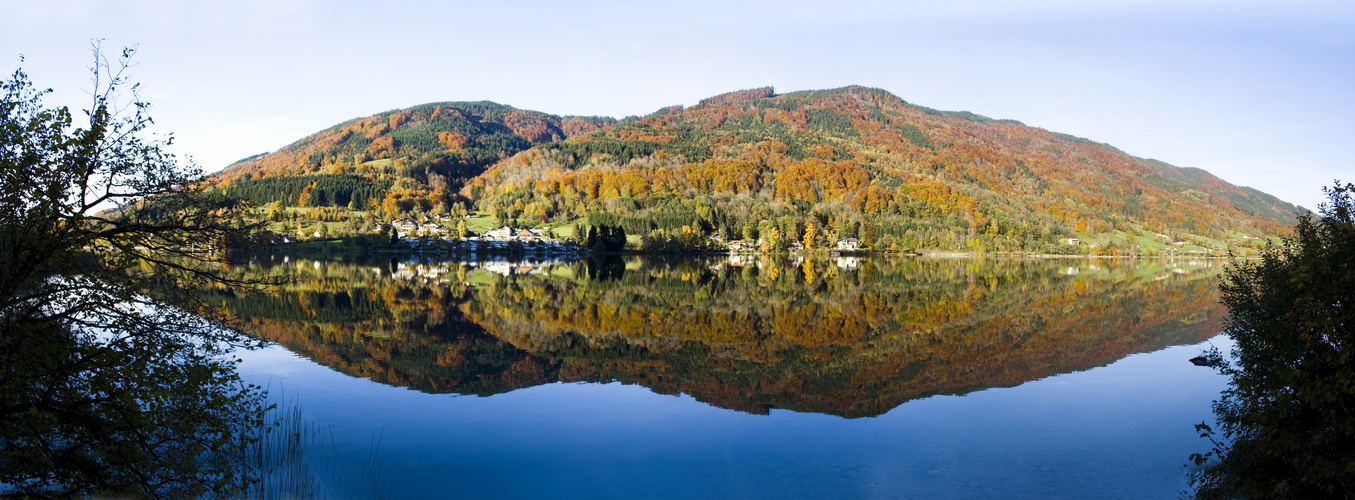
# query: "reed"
294 458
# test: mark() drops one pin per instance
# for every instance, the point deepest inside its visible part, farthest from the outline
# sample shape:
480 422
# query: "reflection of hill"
808 337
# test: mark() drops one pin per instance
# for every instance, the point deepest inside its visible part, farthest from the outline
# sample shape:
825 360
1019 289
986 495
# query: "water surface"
761 378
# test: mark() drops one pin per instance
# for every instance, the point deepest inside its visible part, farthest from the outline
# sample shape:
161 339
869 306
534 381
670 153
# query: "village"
423 231
438 233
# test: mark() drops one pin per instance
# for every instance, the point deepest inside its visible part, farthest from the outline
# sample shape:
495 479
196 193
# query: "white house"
404 227
848 244
531 234
431 228
502 233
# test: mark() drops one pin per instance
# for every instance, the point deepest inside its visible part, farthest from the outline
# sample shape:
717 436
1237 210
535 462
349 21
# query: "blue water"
1118 431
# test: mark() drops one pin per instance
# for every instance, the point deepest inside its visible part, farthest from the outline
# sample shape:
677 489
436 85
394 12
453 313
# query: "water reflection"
846 336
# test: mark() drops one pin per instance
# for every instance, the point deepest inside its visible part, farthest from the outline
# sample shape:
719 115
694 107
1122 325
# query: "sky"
1261 94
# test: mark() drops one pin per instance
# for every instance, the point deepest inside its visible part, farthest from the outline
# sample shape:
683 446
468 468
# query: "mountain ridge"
849 161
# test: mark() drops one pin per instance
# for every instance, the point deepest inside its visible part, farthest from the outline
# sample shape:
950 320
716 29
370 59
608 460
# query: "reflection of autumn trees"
807 336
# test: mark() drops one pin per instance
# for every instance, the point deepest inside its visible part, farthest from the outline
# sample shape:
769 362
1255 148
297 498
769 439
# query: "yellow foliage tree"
771 239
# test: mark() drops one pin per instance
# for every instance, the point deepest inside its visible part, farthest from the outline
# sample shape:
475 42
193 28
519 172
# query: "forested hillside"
412 159
806 167
861 162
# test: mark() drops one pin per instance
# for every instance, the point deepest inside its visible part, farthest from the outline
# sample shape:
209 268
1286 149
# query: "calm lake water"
746 378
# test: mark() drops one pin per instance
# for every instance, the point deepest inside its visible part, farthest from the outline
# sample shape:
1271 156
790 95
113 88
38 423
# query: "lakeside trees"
112 382
1290 406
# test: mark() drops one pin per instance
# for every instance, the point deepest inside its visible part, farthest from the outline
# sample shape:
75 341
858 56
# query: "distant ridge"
460 136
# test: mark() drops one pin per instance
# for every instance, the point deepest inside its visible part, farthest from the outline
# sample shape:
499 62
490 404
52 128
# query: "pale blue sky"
1261 94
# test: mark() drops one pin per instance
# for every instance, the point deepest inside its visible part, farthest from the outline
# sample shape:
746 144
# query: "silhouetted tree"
112 380
1289 410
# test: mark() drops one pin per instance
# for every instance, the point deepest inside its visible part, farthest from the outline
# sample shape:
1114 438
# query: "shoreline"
580 252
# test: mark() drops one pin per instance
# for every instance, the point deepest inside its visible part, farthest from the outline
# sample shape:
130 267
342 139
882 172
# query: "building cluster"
507 233
407 229
506 268
744 246
428 227
843 262
433 227
447 271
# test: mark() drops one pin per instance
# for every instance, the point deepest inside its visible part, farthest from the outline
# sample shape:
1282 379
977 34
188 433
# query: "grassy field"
481 277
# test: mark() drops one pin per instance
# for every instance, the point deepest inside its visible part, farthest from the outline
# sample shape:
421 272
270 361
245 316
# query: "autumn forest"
805 168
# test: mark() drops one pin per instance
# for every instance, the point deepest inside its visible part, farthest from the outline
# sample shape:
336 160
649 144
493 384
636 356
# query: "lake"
743 377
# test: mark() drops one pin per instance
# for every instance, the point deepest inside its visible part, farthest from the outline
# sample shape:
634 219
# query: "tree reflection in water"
853 337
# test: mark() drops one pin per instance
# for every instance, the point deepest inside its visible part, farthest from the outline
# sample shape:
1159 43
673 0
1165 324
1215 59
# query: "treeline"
621 152
324 190
602 238
317 307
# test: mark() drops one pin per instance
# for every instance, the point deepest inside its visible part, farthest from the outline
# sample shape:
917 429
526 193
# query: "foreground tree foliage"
1290 407
111 381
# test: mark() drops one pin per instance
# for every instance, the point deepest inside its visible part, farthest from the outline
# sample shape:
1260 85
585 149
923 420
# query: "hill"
419 155
808 167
